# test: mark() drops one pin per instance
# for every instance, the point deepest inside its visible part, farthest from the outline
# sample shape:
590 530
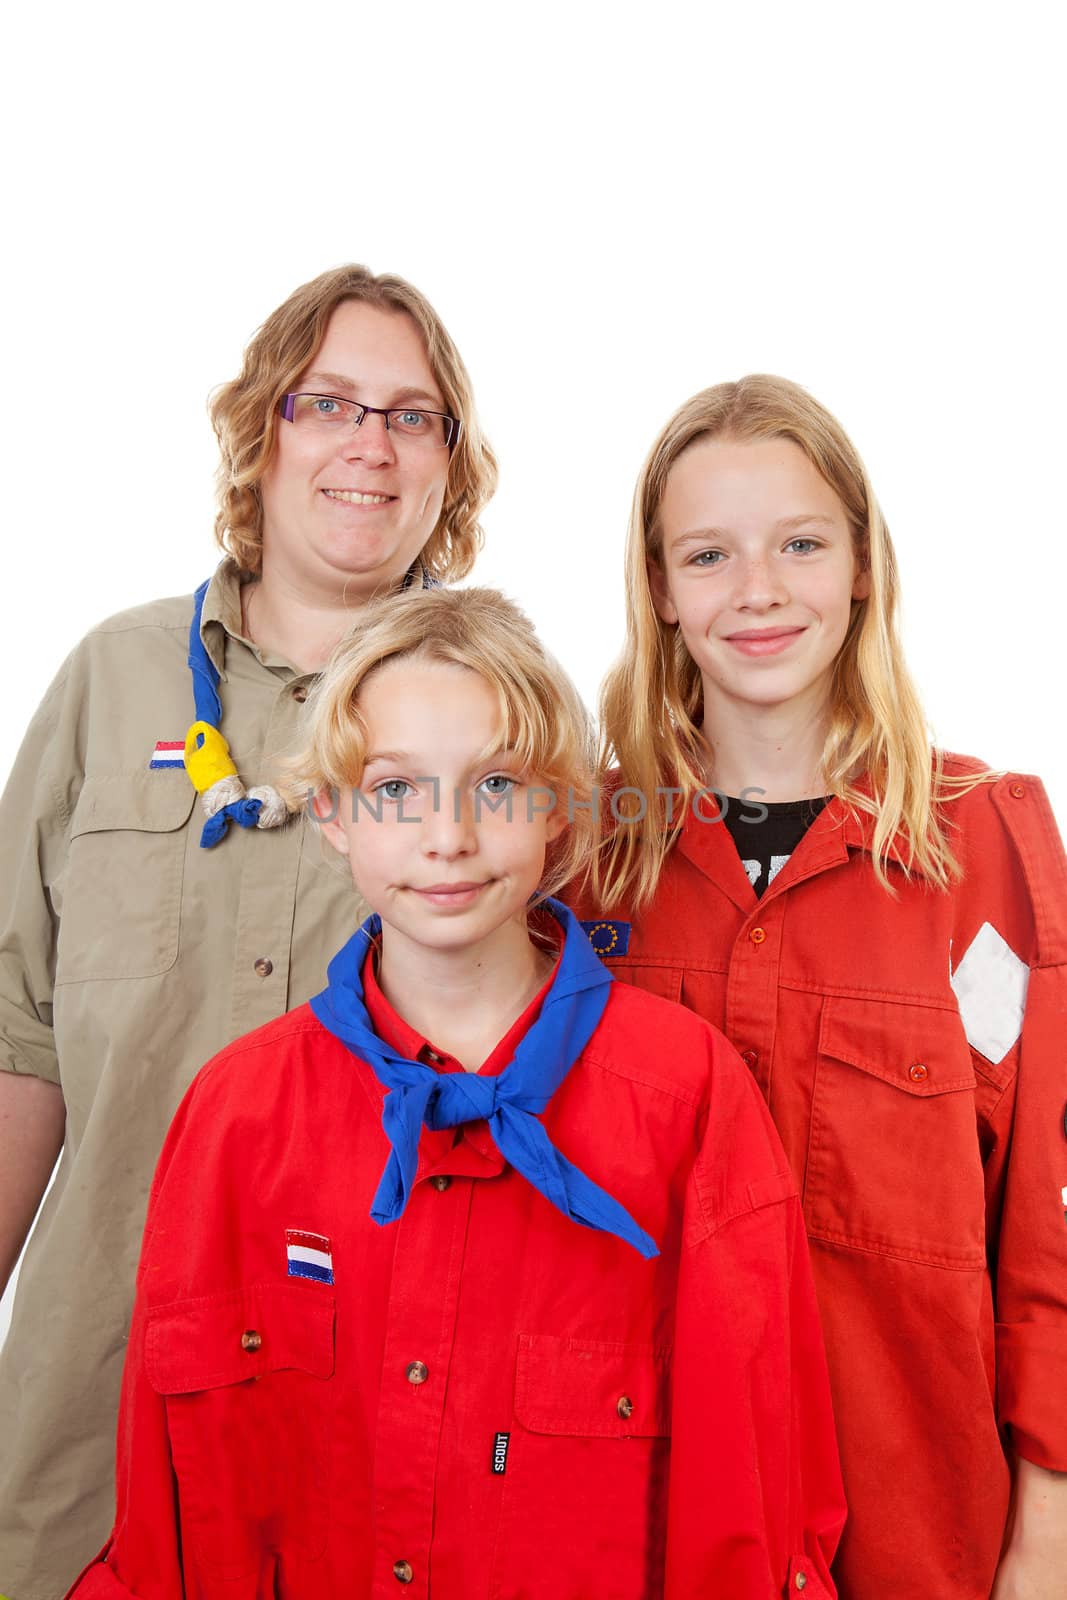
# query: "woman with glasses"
139 931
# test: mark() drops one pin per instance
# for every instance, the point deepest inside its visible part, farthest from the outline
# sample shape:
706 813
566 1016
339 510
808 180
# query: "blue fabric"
244 812
511 1103
205 673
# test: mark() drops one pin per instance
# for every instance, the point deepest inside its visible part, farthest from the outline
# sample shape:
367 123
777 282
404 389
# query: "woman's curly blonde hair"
244 415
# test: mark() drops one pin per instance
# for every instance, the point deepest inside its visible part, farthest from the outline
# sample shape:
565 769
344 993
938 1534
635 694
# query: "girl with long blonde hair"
880 929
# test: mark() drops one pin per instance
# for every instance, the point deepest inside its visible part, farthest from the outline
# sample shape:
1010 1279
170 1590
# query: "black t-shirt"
766 833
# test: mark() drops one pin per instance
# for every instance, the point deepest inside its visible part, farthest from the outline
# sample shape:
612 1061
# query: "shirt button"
417 1372
749 1057
300 693
431 1055
1017 791
757 935
801 1580
441 1182
918 1073
264 966
402 1571
251 1340
625 1407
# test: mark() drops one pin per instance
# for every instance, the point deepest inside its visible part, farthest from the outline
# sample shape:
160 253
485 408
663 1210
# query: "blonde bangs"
542 718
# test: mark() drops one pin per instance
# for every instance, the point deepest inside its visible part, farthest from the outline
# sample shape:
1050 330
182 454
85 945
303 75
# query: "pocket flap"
148 802
221 1339
920 1049
604 1391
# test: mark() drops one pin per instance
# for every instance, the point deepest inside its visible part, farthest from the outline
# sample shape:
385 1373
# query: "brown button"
918 1073
441 1182
300 693
251 1340
625 1407
402 1571
749 1057
757 936
264 966
1017 791
801 1580
417 1372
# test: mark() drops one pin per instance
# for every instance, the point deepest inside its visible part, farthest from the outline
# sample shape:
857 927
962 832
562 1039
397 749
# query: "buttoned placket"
267 892
431 1247
754 971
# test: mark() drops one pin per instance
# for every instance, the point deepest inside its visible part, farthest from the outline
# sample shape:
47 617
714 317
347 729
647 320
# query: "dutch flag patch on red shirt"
309 1255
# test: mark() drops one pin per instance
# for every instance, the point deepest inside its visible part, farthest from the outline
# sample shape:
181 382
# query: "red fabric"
669 1421
931 1175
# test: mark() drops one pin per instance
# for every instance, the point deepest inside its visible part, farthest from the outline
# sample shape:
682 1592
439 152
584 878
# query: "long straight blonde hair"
877 757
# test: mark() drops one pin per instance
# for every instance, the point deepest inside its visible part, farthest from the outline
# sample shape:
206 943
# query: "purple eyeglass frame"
287 405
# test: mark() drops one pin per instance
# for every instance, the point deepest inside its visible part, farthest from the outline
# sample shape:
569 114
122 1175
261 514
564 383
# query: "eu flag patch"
608 938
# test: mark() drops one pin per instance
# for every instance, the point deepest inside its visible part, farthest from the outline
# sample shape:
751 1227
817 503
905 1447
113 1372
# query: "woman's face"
355 508
759 572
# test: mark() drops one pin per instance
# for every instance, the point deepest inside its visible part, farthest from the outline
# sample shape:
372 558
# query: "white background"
609 212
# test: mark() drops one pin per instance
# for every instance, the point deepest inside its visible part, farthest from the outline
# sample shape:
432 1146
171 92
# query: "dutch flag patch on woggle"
168 753
308 1255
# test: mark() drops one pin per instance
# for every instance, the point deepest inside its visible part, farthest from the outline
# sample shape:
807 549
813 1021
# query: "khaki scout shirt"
128 957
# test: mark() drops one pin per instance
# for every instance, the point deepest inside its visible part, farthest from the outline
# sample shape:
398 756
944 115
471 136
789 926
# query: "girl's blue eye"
802 546
497 784
707 558
394 789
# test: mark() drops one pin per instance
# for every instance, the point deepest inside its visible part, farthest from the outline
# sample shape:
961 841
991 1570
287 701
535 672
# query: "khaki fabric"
128 957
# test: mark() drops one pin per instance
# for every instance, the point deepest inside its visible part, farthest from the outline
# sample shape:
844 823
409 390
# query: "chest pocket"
589 1447
120 898
654 979
246 1383
894 1163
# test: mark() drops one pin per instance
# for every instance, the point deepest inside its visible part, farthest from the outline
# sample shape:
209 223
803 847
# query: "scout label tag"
500 1453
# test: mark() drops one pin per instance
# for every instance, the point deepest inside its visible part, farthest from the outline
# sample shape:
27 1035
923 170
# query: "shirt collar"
390 1026
222 612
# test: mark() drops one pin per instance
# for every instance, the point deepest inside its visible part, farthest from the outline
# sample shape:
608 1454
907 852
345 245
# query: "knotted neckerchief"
207 755
511 1103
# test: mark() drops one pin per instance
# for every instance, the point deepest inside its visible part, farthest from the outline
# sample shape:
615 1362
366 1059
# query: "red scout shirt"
912 1052
488 1399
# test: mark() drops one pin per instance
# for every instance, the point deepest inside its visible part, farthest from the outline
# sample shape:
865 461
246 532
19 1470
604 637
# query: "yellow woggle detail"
207 757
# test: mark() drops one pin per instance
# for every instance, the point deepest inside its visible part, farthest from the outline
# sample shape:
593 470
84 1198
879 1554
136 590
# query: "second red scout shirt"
911 1048
483 1398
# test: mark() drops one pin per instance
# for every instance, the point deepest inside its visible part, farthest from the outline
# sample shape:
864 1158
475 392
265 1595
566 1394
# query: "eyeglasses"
326 413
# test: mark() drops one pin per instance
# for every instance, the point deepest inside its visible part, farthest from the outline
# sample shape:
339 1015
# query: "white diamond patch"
990 987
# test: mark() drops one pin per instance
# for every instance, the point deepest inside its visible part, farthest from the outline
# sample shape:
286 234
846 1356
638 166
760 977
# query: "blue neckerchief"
244 811
511 1103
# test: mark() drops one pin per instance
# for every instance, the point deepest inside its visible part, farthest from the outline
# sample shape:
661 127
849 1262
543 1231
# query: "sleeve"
143 1559
756 1500
1026 1171
34 824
